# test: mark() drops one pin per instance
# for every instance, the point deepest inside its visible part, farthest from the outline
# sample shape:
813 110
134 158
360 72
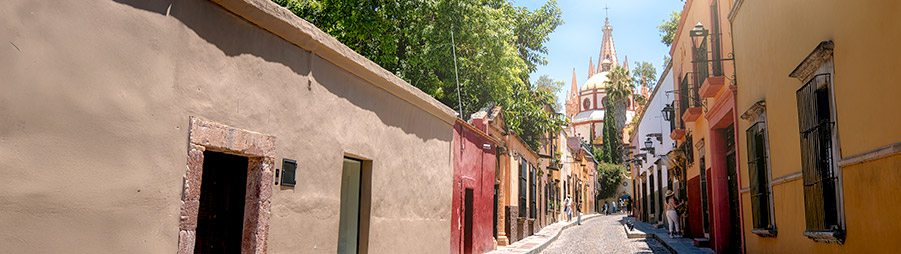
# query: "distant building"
585 105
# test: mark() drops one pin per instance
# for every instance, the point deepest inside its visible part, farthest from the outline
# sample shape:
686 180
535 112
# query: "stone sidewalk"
675 245
537 242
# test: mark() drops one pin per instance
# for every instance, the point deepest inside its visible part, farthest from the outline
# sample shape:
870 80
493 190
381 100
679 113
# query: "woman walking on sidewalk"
671 215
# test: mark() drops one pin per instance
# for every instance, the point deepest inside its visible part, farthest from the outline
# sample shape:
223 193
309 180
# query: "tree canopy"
668 28
497 44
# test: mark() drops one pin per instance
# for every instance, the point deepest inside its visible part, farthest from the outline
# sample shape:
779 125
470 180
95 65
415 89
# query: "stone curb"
668 245
629 234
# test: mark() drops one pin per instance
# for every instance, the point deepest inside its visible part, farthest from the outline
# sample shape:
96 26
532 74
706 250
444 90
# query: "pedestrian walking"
606 209
671 215
569 209
579 209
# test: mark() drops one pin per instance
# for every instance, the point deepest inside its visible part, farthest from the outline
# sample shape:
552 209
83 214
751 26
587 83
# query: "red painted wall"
695 227
474 168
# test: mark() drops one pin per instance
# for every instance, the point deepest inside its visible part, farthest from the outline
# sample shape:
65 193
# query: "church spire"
608 51
626 63
574 91
590 67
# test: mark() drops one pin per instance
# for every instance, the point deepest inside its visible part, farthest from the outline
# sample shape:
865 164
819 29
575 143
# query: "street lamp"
698 40
668 112
649 146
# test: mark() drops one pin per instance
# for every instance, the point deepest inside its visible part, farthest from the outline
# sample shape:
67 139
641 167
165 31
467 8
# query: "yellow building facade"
703 169
819 134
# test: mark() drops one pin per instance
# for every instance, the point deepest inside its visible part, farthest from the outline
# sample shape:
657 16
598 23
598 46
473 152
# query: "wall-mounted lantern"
698 36
668 112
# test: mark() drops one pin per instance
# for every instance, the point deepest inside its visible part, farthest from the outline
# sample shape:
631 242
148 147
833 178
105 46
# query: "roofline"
477 131
685 10
295 30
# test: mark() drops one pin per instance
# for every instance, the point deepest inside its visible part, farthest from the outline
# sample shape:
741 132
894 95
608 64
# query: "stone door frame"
260 150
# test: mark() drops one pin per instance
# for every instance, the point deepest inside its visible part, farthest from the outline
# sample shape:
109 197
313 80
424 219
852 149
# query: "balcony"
691 114
677 134
712 86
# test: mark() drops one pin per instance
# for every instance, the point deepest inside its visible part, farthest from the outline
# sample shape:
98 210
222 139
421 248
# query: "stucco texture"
95 105
474 167
772 38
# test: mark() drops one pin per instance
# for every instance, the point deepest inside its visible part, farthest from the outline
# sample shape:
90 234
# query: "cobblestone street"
604 234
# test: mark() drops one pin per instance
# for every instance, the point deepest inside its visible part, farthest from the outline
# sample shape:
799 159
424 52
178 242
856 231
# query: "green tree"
610 176
612 135
498 46
553 86
645 74
668 28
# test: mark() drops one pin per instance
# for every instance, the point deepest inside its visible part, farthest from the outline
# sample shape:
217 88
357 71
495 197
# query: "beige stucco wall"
95 99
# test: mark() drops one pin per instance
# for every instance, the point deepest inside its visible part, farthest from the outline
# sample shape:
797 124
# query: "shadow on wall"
235 36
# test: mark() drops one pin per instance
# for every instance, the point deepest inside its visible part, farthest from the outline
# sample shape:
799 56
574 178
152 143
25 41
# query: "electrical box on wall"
289 167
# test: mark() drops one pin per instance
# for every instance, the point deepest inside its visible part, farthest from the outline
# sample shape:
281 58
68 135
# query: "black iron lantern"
698 36
668 112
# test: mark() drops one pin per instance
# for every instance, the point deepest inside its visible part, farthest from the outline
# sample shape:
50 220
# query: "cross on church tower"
606 11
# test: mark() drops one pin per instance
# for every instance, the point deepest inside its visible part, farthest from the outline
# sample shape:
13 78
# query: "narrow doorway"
220 217
732 182
660 198
353 220
467 221
494 211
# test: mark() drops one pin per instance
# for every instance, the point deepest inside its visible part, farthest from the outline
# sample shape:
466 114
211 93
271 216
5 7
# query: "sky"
635 34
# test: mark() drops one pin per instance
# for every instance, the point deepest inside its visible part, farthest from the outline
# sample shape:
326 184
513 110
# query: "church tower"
585 103
572 100
607 59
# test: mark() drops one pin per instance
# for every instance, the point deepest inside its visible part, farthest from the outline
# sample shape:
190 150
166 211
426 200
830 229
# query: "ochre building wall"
772 38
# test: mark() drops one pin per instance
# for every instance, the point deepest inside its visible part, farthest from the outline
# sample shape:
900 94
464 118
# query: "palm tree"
619 86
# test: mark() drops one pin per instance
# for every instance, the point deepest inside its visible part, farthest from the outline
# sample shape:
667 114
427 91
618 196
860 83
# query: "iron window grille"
533 197
686 149
816 132
523 173
705 213
757 165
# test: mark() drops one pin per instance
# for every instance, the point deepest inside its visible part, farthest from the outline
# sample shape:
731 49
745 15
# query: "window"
586 103
523 183
821 183
533 197
759 180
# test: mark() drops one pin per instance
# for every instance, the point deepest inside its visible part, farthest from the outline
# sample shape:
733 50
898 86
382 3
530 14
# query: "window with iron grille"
757 167
523 173
821 201
533 197
687 149
683 101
